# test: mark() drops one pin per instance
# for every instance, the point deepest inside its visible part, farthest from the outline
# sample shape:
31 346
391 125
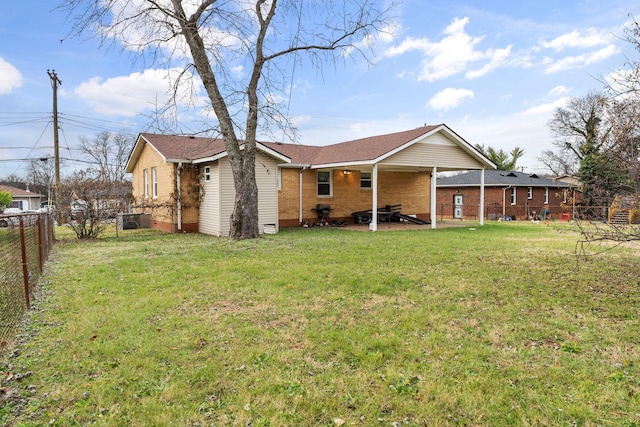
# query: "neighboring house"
507 194
186 182
24 200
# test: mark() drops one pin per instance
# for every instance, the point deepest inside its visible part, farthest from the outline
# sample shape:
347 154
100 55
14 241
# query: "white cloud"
545 109
570 62
590 38
237 71
130 95
451 55
11 77
559 90
449 98
498 57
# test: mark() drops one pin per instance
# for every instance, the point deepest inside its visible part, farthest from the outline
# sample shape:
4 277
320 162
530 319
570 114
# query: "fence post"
41 243
25 266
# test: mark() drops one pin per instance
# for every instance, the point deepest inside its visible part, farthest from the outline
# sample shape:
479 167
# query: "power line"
99 120
23 122
32 148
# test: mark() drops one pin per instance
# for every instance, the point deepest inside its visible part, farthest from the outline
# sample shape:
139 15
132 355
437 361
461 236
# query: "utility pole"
55 82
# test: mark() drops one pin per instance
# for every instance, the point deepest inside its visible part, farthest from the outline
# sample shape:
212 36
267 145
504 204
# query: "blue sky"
493 71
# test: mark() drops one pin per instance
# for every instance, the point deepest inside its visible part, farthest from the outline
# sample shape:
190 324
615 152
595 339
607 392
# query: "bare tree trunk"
341 26
244 219
244 224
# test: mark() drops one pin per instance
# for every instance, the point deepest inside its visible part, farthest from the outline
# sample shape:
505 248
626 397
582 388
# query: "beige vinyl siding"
219 195
437 150
209 218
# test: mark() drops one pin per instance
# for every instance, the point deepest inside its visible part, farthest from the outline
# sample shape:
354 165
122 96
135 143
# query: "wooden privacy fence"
25 242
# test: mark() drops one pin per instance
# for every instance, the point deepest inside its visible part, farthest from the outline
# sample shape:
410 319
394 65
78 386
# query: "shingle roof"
188 148
17 192
185 147
357 150
193 148
499 179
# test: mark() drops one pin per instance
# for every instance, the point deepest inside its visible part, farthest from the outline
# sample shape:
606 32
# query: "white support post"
374 190
179 188
433 207
481 197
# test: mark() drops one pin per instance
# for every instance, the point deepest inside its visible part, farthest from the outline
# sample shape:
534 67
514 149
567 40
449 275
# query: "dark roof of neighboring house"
495 178
16 192
362 149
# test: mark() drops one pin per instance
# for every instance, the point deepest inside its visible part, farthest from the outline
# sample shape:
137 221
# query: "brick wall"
523 208
163 208
411 190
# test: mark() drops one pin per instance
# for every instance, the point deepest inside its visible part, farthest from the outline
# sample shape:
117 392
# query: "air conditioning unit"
132 221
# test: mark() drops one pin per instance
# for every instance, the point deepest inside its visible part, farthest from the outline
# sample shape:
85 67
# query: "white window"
365 180
207 173
154 182
564 196
513 195
279 179
530 193
546 195
324 184
146 183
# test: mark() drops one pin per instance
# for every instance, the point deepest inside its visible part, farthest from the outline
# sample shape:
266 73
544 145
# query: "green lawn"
493 326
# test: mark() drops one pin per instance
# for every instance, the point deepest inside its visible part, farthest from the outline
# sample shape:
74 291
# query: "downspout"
179 193
300 190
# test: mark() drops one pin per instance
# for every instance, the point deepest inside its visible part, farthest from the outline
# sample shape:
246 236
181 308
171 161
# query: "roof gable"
371 149
358 150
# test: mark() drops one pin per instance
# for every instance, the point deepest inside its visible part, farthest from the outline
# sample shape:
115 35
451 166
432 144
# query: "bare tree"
109 152
40 175
580 126
560 162
584 129
612 163
84 196
263 37
627 81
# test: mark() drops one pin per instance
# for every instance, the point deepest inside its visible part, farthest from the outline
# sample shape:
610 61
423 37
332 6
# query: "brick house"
507 194
186 182
370 173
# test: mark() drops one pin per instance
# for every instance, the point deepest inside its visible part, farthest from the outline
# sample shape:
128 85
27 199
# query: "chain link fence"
497 211
25 242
